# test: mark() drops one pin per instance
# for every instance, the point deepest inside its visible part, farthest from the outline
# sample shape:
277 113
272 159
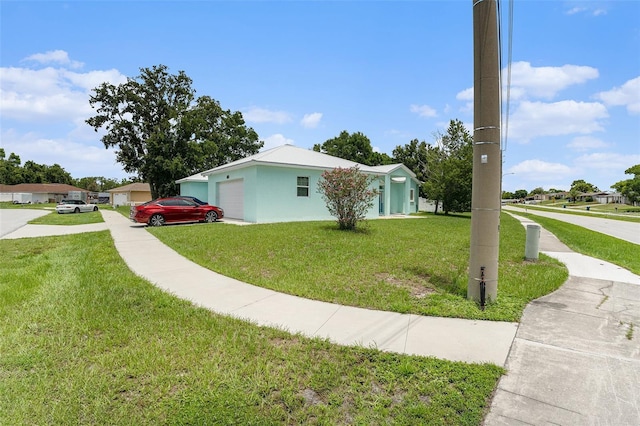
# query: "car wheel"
211 217
76 210
156 220
95 208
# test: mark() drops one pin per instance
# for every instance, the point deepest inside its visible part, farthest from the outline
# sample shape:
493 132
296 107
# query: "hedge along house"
281 185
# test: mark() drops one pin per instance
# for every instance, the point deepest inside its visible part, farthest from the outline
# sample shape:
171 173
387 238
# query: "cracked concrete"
572 362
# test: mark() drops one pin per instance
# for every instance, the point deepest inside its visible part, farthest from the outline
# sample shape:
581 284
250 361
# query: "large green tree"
354 147
630 188
12 172
10 169
450 169
414 155
162 133
580 186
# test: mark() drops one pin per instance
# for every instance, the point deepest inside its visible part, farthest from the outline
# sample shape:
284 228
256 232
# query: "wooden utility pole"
487 155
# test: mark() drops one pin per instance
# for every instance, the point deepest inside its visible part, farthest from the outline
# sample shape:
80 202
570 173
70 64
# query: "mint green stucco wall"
248 176
195 189
270 194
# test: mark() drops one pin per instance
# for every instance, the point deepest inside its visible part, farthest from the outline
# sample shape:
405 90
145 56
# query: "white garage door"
119 199
231 198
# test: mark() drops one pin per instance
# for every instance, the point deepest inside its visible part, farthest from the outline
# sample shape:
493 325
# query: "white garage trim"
231 198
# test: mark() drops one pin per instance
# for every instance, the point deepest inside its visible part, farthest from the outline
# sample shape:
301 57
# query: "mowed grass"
85 341
54 218
595 244
415 266
604 211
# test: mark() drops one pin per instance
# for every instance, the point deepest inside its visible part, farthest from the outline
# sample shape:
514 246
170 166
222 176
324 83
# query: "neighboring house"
195 186
603 197
281 185
34 193
130 195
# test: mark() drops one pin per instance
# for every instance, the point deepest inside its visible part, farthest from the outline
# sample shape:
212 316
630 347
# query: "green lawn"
605 211
85 341
404 265
54 218
37 206
591 243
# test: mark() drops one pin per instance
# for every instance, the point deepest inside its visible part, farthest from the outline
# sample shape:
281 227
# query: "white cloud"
546 82
276 140
59 57
534 119
79 159
626 95
423 110
607 161
586 143
540 171
575 10
311 121
49 94
538 82
465 95
262 115
589 8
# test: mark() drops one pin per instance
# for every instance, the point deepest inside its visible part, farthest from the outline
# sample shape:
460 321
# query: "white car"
75 206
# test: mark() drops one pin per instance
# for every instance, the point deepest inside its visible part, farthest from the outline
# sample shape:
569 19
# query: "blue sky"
303 71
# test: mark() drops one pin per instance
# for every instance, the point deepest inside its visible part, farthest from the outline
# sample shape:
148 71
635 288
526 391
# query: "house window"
411 196
303 186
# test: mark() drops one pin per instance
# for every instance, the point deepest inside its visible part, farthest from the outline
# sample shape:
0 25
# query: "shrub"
348 195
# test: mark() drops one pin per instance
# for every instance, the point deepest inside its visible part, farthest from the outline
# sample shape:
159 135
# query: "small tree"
348 195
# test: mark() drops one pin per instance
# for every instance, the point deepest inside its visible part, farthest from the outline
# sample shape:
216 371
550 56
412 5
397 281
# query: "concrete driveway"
13 219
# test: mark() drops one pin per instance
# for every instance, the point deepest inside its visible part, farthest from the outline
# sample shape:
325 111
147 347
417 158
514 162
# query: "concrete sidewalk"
576 356
446 338
628 231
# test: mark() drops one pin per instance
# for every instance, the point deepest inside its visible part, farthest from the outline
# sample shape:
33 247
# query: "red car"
174 210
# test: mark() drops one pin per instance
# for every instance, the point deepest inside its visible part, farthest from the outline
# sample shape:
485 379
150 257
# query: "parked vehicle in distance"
174 210
194 199
75 206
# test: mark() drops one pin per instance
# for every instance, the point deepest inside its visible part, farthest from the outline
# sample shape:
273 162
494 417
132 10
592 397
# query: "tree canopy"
12 171
353 147
415 156
162 133
449 169
630 188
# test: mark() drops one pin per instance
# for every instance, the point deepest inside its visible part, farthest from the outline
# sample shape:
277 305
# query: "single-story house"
130 195
34 193
281 185
603 197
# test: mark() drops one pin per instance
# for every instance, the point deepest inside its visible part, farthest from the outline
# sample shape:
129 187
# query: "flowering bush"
347 194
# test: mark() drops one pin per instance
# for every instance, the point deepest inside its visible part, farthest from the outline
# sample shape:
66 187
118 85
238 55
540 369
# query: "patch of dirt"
417 289
311 397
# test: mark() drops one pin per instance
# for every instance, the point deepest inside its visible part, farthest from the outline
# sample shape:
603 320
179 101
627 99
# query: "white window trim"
298 186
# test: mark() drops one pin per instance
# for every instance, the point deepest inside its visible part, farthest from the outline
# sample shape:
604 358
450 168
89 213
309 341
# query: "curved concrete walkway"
447 338
573 360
